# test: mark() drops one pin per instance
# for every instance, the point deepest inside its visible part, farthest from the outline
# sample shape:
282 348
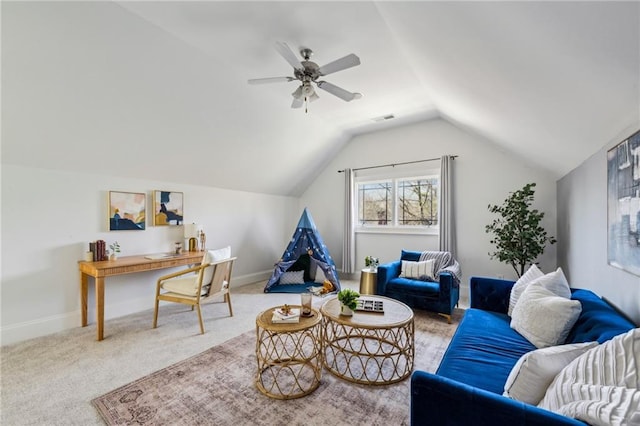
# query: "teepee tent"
307 252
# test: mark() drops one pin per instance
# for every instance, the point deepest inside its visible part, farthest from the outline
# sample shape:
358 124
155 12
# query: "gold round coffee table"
370 348
289 355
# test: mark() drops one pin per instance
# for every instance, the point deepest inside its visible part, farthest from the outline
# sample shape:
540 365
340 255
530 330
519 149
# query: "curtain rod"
398 164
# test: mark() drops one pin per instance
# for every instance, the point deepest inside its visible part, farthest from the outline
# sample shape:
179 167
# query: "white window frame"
394 177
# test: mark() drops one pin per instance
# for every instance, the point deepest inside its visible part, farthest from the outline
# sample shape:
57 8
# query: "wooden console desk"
123 265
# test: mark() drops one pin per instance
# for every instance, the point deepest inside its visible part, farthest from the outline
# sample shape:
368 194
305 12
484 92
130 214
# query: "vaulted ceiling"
158 89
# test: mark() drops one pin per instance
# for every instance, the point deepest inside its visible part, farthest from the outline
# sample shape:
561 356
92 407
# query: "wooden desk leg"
84 290
100 308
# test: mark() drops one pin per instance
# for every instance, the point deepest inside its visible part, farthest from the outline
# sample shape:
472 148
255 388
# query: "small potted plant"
348 301
115 249
371 263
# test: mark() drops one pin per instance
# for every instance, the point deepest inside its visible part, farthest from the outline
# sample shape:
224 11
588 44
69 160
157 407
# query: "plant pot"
345 310
113 256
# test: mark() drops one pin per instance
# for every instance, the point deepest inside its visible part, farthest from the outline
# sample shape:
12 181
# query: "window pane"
374 203
418 202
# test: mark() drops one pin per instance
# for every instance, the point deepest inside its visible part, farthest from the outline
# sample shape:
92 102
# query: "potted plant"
115 249
371 263
517 234
348 301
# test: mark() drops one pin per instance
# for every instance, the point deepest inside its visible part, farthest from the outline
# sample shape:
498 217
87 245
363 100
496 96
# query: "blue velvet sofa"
468 385
441 297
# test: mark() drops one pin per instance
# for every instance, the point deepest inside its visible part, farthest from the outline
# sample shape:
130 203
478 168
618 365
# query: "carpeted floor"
217 387
52 380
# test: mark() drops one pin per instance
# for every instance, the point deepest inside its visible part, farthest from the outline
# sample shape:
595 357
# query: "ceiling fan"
308 72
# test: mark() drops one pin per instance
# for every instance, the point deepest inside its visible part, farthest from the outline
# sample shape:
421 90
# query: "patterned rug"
216 387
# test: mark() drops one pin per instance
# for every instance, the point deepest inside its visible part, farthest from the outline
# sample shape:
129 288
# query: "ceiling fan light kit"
308 72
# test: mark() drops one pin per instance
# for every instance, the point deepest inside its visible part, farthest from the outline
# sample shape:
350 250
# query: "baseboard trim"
44 326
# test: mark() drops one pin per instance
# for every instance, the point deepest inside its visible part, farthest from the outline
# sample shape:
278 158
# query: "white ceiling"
158 89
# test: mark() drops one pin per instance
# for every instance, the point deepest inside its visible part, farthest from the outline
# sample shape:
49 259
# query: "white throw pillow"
535 370
418 270
555 282
544 318
516 291
600 387
213 256
292 277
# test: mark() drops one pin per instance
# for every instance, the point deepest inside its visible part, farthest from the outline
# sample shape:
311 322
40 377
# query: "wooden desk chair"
200 285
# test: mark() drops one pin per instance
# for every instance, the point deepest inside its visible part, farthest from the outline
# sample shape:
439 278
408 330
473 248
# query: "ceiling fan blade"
338 91
297 103
270 80
339 64
285 51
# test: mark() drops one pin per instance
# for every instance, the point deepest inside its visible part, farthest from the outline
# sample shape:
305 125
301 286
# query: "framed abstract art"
623 205
168 208
127 211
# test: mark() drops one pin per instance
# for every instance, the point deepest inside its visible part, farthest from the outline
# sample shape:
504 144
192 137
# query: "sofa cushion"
601 386
483 351
534 371
413 286
544 318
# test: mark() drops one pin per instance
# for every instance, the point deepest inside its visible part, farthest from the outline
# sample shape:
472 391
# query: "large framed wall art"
168 208
623 200
127 211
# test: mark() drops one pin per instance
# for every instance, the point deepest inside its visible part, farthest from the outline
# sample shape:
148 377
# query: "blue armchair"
441 296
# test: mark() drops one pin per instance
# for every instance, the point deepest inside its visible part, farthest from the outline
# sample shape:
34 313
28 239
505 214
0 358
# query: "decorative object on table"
371 263
99 249
517 234
191 234
348 301
305 303
305 252
370 305
168 208
127 211
115 250
623 200
285 314
178 247
203 240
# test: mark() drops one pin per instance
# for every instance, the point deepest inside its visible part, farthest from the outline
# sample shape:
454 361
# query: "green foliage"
348 298
517 234
371 261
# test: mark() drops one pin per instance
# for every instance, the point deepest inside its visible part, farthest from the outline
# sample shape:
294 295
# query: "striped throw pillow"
418 270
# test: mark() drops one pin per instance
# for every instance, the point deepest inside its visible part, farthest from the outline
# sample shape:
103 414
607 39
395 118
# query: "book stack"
99 250
282 316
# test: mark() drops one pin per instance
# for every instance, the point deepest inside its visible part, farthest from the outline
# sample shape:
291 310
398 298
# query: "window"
398 203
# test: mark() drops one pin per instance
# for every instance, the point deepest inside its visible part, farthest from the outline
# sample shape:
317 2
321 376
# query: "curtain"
447 212
349 241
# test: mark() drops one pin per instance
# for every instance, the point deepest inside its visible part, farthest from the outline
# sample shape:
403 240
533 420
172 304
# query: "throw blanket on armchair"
443 262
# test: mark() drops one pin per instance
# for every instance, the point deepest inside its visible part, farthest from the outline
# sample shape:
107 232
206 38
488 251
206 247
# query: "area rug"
216 387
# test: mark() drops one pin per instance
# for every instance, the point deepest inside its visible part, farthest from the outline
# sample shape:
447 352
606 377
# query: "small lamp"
191 233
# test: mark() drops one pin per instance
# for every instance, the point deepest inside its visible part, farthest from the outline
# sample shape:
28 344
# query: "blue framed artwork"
623 205
127 211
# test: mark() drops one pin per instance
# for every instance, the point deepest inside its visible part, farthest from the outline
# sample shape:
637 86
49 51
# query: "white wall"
483 175
49 217
582 229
